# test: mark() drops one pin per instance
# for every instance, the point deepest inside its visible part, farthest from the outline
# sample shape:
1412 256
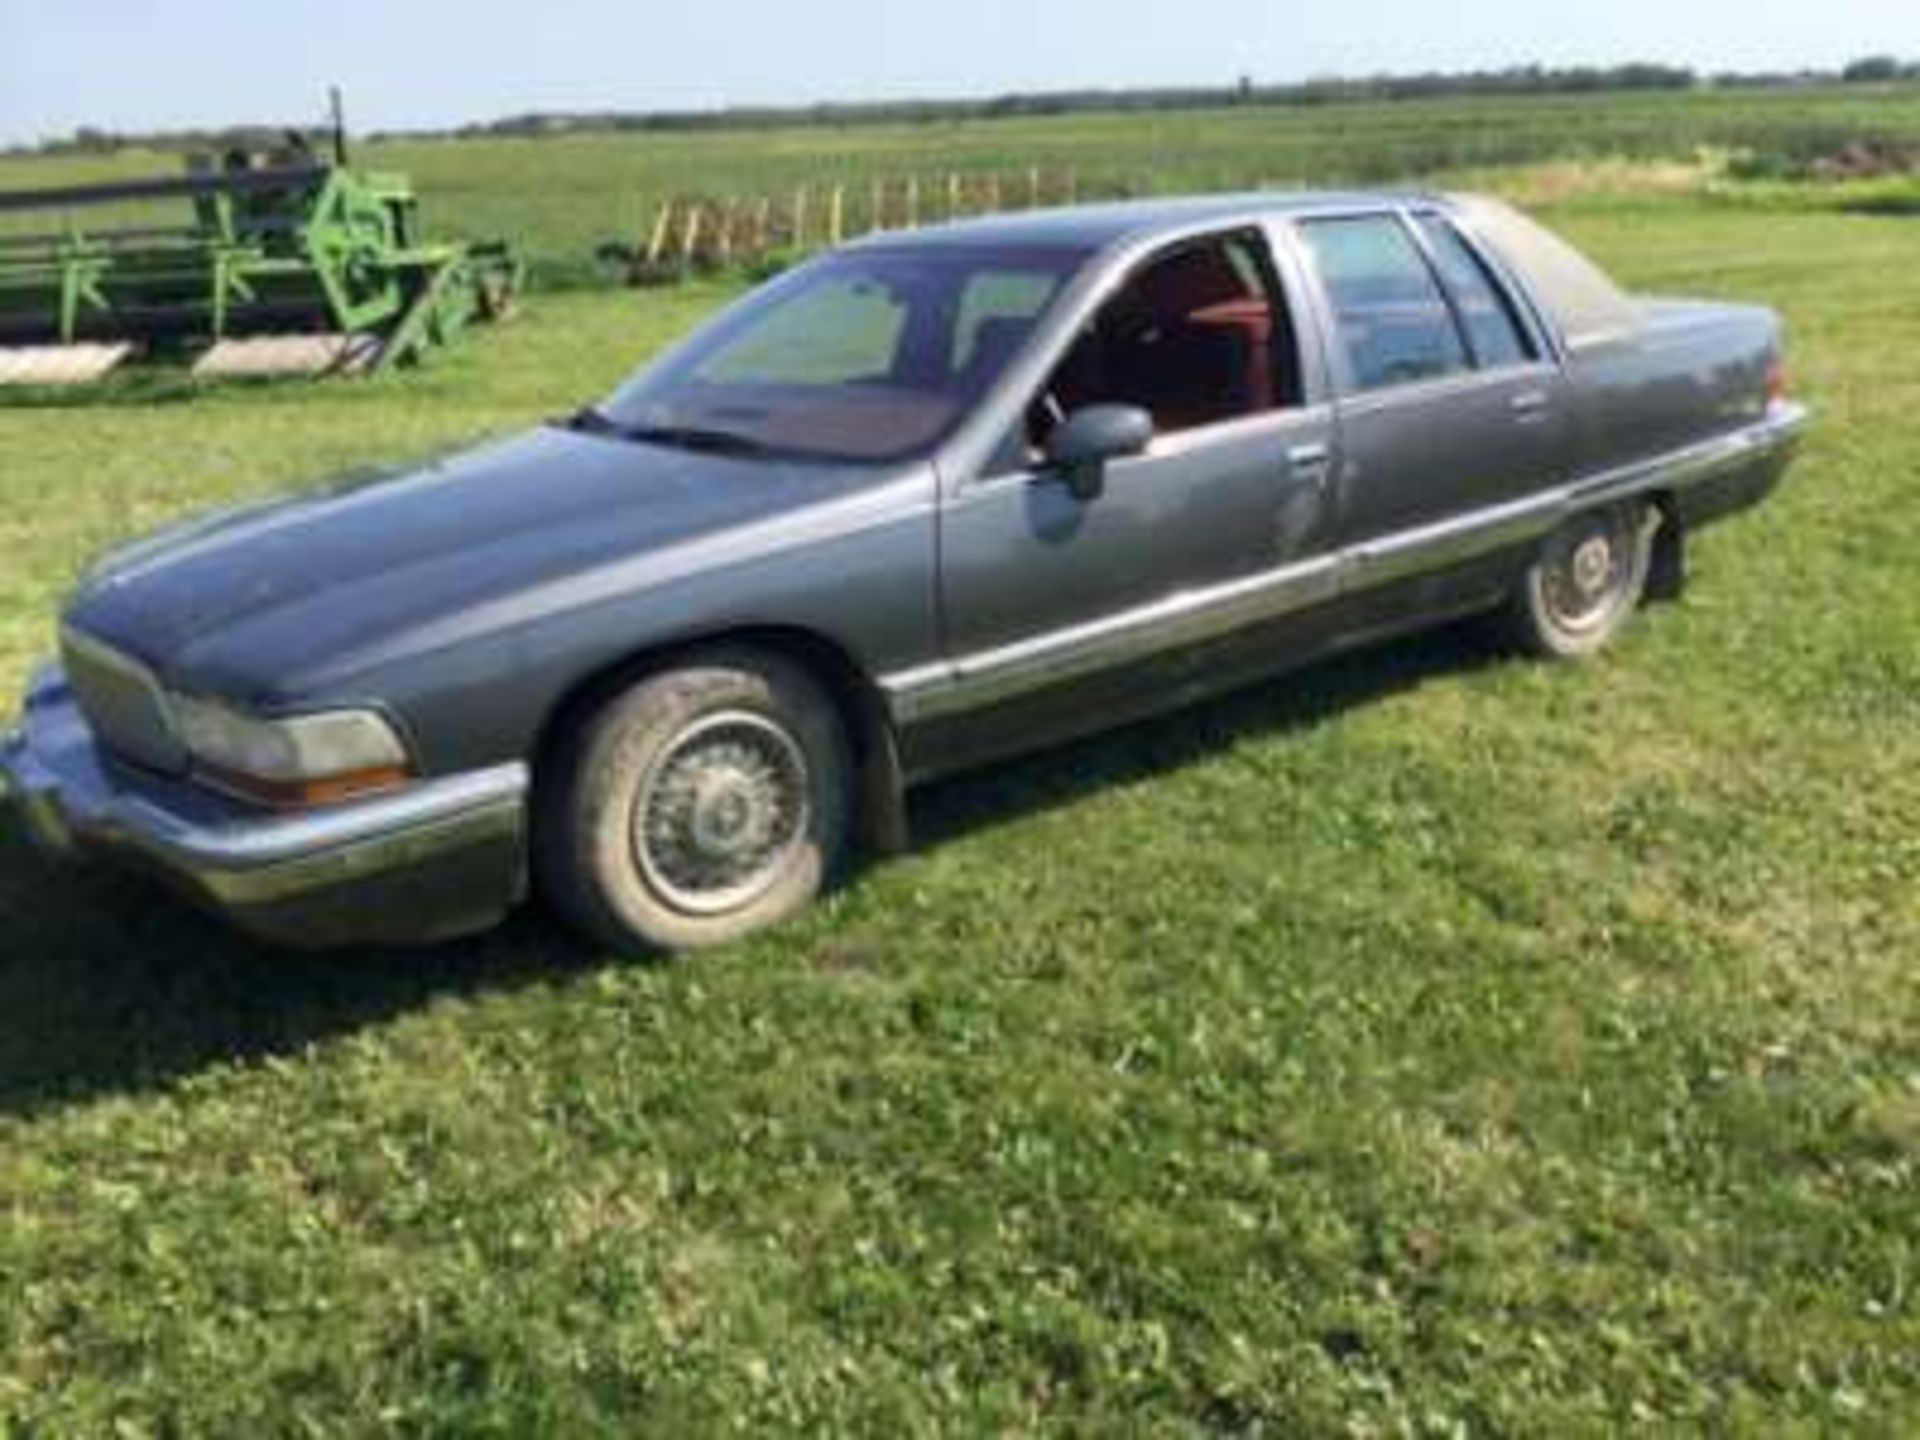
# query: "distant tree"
1872 70
89 141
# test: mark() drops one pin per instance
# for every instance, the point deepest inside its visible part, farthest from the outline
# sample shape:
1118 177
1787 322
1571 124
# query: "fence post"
762 217
913 201
837 216
800 218
993 193
662 227
1033 187
691 238
953 195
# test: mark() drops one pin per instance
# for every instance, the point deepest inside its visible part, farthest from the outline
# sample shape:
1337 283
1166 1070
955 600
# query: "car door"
1452 403
1037 584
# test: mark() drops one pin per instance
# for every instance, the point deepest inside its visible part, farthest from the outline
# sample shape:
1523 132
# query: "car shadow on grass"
111 985
1297 700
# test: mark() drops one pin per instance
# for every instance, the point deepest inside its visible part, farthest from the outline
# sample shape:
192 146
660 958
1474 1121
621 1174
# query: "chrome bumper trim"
254 865
928 692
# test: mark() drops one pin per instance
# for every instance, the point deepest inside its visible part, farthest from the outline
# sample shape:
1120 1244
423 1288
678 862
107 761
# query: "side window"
1198 336
1394 322
866 323
1493 326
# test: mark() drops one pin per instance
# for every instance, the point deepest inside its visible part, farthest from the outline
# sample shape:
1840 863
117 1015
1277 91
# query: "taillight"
1776 381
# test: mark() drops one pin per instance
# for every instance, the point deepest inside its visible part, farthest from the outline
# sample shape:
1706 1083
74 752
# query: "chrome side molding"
928 692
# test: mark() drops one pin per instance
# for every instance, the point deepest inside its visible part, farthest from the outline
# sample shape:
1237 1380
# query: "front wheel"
1584 583
706 802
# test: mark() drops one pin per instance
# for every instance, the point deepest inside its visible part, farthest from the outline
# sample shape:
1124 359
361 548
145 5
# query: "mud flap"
1667 573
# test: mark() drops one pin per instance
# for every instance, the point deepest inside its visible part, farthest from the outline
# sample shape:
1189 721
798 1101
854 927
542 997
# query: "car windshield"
869 354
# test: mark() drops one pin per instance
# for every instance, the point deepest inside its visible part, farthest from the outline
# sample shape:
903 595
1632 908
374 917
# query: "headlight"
302 760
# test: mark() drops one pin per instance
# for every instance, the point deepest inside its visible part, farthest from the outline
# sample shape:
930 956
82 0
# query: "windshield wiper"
697 437
591 420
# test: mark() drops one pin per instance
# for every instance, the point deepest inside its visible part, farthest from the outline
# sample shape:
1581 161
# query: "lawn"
1425 1044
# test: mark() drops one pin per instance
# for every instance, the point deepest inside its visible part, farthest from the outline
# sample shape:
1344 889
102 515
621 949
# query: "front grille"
123 702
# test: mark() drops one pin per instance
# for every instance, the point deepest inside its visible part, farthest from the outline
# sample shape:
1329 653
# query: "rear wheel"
702 804
1585 582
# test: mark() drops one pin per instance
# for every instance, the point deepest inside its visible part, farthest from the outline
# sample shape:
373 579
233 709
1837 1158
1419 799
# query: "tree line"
1525 80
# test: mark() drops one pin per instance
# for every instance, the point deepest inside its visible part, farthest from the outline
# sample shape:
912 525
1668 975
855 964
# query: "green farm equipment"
248 264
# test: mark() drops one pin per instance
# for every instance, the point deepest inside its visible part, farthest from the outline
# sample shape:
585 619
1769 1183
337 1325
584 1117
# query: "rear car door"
1200 336
1452 400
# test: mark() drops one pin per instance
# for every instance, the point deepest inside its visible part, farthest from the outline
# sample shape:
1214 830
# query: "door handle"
1311 462
1530 404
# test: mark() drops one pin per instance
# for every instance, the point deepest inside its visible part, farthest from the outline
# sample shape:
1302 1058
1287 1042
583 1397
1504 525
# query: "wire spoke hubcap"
1586 569
721 812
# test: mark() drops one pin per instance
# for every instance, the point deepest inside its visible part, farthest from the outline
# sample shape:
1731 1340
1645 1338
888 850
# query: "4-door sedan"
927 500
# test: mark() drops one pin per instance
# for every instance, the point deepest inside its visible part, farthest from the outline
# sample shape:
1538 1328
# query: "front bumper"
441 858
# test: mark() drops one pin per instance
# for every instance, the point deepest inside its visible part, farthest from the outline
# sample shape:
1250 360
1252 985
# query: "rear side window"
1394 322
1493 328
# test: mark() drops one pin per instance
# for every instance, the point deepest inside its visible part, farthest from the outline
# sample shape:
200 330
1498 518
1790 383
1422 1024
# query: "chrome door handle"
1529 403
1311 462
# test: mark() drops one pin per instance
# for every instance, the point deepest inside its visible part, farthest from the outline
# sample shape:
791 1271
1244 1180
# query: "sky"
154 64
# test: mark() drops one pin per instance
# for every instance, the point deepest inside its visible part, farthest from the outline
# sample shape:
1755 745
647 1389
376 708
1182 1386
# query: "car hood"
246 599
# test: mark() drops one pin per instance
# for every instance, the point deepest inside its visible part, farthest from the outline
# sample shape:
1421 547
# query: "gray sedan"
924 501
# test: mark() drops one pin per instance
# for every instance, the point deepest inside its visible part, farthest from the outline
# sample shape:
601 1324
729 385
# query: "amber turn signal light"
306 794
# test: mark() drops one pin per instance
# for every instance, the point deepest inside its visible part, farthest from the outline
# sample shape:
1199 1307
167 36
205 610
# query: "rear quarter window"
1493 326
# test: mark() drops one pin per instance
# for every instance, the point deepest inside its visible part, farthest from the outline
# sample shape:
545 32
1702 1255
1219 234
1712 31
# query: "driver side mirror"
1082 445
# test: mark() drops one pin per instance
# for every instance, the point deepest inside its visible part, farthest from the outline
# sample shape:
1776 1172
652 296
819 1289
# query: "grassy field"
561 197
1427 1044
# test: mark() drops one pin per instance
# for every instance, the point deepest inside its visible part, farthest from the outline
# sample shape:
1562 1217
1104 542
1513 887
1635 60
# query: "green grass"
1424 1044
561 197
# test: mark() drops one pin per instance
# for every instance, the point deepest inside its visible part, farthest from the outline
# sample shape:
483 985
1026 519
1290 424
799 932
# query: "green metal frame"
334 241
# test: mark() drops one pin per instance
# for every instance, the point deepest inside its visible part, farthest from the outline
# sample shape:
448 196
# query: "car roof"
1100 225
